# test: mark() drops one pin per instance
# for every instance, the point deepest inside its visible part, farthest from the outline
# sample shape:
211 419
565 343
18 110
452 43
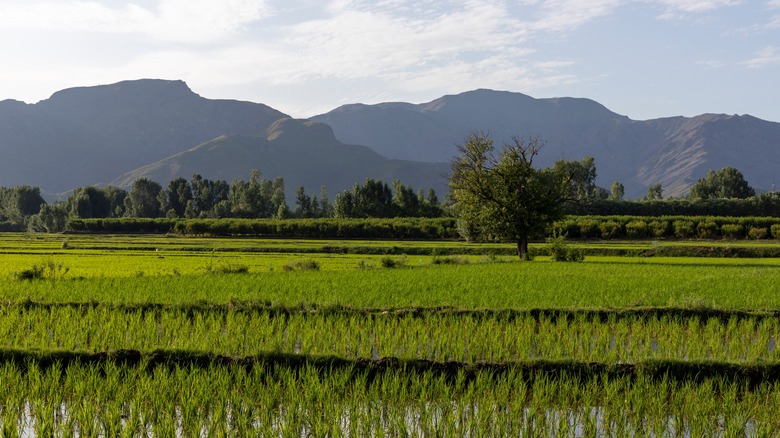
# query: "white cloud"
567 15
766 56
189 21
681 8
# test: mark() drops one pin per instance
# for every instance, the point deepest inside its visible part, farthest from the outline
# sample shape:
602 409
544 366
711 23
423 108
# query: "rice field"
161 336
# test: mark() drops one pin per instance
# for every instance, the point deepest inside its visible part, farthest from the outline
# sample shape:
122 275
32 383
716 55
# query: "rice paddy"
161 336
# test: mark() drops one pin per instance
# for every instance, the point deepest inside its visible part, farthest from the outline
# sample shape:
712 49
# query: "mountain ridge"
674 151
98 135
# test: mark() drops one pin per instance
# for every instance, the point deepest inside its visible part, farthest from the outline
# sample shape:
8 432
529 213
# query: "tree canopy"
727 183
505 195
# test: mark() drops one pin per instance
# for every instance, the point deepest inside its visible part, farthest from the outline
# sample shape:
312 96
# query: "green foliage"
504 195
683 229
654 192
392 262
611 229
659 228
302 265
225 268
732 231
617 191
707 229
726 183
143 200
637 229
756 233
767 204
560 250
18 204
46 270
51 219
775 229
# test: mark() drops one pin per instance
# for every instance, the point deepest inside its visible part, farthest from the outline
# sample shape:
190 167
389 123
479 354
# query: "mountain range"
674 151
113 134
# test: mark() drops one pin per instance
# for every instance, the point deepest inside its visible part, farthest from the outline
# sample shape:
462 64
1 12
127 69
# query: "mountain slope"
673 151
304 153
92 134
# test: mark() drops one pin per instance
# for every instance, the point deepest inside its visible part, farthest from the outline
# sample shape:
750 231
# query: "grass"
317 338
474 285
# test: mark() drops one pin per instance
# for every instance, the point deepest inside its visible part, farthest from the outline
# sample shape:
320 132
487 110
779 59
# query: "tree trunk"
522 248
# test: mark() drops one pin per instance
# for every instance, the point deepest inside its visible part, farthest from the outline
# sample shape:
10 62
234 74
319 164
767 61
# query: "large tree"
505 195
728 182
143 200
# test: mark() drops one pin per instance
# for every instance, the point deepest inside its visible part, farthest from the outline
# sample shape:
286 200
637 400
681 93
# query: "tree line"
23 207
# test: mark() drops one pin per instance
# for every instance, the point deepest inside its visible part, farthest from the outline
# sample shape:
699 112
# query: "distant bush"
683 229
48 270
611 229
758 233
659 228
302 265
390 262
707 229
636 229
449 260
731 231
775 231
226 268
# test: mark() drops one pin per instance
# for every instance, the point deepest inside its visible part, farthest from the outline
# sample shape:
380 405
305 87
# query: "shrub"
560 251
226 268
302 265
707 229
731 231
659 228
636 229
776 231
589 228
48 270
683 229
610 229
389 262
568 227
758 233
452 260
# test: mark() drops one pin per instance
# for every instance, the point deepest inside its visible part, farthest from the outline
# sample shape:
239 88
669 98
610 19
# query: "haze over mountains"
162 130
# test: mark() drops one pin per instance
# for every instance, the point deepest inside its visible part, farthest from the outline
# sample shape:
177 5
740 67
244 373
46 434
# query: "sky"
641 58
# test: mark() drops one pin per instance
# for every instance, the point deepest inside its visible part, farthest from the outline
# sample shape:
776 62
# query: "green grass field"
453 339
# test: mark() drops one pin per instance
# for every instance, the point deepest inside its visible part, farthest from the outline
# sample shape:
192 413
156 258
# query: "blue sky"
641 58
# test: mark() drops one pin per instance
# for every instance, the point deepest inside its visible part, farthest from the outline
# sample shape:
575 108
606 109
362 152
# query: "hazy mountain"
672 151
303 152
93 134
